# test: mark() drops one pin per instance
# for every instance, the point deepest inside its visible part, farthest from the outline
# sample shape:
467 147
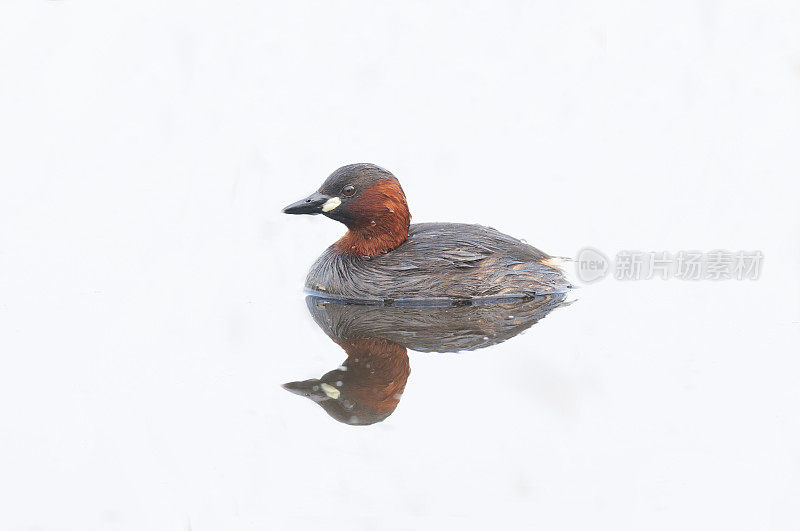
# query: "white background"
150 288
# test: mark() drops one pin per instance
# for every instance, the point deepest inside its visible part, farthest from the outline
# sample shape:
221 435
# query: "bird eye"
348 190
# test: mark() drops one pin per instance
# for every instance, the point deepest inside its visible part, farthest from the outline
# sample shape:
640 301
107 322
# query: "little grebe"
383 258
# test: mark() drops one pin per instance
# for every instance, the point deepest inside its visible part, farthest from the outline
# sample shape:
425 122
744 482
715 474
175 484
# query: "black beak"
310 205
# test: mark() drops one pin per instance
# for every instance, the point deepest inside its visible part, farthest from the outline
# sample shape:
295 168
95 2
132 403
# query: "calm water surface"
166 393
635 399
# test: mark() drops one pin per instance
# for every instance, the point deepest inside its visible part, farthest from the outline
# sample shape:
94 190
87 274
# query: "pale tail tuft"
556 261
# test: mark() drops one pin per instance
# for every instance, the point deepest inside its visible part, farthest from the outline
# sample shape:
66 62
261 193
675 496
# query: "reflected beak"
313 204
307 388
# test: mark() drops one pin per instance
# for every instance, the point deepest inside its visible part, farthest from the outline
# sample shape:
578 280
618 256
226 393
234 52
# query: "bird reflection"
368 385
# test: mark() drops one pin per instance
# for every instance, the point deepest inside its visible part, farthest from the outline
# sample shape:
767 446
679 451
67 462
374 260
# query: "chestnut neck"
380 224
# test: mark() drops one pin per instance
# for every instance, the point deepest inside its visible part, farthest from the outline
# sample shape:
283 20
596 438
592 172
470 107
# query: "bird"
383 258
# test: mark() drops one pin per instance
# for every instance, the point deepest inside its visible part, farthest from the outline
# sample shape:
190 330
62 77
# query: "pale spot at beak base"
331 203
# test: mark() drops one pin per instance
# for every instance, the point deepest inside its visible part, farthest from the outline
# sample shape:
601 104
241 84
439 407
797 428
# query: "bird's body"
439 261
